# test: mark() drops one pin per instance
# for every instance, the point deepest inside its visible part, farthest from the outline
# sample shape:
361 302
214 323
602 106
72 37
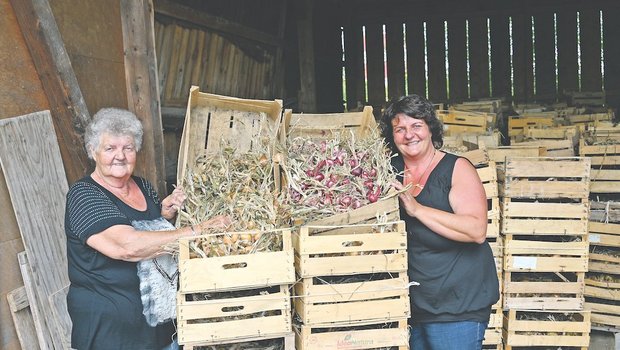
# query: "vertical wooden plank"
544 48
22 318
416 67
177 84
395 59
522 58
328 56
205 64
568 72
375 65
172 65
354 65
190 57
590 41
142 90
436 52
58 79
197 60
611 30
30 156
501 81
307 100
164 58
478 58
457 60
42 330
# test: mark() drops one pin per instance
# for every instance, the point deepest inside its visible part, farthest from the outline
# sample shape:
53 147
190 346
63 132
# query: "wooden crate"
604 247
588 118
212 119
586 98
457 122
235 272
553 148
350 249
547 177
517 124
499 154
497 246
286 342
488 176
541 275
353 299
358 337
603 300
561 329
605 174
224 317
605 211
327 125
488 106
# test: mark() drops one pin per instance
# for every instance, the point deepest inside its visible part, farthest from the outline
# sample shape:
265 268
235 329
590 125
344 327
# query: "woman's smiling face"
412 136
116 156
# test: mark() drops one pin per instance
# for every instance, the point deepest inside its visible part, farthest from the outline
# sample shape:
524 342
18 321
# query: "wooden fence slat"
545 56
374 64
611 30
567 51
395 59
478 58
500 56
416 70
436 60
522 58
354 65
22 318
590 41
42 330
37 184
457 57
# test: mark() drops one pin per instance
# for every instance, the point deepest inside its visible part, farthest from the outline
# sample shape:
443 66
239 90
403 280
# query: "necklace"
417 183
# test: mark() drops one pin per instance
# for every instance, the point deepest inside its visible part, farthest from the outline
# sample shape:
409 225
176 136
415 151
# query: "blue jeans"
461 335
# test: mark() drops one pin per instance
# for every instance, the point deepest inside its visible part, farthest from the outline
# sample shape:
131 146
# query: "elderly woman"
103 246
445 211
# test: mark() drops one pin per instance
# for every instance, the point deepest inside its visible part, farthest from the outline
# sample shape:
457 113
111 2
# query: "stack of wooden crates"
230 299
545 227
352 287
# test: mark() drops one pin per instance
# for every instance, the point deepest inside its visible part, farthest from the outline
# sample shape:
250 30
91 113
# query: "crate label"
525 262
594 238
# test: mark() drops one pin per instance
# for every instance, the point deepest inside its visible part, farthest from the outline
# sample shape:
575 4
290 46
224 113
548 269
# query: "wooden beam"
567 51
307 96
416 69
500 57
374 66
436 60
611 29
22 318
457 58
354 66
395 59
67 105
590 41
545 55
142 86
203 19
478 58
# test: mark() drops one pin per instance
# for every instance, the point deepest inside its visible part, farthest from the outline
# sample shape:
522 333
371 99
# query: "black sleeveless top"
458 281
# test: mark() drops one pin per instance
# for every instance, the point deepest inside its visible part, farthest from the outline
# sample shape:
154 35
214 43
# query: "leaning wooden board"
33 168
22 318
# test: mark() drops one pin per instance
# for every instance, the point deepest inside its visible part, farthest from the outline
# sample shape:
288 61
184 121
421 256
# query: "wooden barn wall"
21 93
522 52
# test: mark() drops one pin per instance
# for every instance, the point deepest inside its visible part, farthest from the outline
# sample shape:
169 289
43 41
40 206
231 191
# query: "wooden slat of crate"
212 118
587 118
488 176
478 157
361 249
327 125
604 234
544 218
602 290
604 180
500 154
547 332
250 325
541 256
604 263
288 342
604 314
333 304
554 148
492 336
386 207
517 124
236 271
371 336
456 122
493 218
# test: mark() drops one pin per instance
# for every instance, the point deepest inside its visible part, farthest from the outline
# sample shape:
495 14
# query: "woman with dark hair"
106 213
445 210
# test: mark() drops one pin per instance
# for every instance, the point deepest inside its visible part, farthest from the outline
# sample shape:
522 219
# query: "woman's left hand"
172 203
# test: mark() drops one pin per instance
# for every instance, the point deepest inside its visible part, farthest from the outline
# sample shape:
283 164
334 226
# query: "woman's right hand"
218 222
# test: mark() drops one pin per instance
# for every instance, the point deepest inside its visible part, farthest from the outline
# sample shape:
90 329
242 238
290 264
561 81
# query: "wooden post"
67 105
142 86
307 94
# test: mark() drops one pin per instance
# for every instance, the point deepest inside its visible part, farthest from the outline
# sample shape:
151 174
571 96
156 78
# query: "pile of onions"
240 186
329 176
